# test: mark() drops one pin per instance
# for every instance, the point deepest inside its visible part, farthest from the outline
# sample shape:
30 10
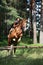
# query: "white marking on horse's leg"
19 39
14 39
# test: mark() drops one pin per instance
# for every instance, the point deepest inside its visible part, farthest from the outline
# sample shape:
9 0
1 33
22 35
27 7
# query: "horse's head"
24 24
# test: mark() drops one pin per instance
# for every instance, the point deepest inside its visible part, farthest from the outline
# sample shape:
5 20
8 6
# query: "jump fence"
11 48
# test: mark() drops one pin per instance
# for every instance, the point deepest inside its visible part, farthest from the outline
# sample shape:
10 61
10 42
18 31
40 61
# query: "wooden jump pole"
27 47
12 47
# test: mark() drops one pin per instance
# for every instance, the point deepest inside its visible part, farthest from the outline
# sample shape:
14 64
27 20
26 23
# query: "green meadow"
31 56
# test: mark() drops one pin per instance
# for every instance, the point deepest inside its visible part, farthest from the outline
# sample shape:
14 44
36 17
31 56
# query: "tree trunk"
34 33
34 24
41 25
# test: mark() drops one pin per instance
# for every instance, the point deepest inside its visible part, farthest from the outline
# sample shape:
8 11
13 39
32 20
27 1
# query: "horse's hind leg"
15 44
14 50
9 43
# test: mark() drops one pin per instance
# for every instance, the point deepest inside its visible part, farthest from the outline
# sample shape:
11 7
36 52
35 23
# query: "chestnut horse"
16 33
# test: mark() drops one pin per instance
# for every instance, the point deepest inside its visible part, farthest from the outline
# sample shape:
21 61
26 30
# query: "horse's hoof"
15 55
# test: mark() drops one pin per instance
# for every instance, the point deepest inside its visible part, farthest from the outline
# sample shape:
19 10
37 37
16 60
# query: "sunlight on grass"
3 53
34 55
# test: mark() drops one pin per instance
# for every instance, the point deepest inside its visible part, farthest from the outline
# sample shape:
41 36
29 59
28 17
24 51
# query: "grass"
23 56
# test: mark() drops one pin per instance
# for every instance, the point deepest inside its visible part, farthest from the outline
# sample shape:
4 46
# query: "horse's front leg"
19 39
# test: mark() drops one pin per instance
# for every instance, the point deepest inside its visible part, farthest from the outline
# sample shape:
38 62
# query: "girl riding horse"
17 32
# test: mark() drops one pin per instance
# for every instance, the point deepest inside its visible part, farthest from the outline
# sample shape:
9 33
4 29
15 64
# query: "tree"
41 25
34 23
8 14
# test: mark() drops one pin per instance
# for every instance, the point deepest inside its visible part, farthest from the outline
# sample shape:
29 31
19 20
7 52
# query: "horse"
16 33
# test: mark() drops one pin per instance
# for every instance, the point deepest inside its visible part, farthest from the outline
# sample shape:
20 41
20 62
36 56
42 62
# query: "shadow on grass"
24 57
20 61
